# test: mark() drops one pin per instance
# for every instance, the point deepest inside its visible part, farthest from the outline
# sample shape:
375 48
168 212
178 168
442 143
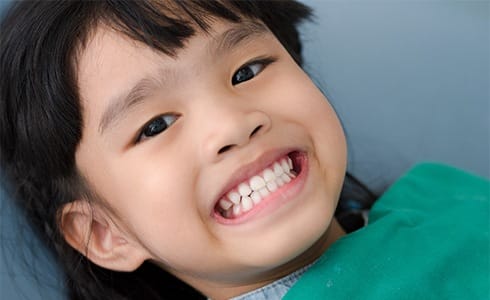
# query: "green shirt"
427 238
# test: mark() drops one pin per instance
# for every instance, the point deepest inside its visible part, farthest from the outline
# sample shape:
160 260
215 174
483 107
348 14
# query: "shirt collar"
276 289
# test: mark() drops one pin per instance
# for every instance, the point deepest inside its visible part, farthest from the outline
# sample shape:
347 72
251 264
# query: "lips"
259 184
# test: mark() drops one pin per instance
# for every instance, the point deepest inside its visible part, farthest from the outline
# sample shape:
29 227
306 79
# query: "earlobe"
89 230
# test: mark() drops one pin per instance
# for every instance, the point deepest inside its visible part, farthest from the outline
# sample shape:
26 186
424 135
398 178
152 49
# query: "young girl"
177 149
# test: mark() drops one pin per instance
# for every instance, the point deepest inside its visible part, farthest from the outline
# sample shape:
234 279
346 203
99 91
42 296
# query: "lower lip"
273 201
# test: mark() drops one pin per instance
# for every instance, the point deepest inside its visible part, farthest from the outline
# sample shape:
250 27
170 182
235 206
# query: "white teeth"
272 186
234 197
264 192
256 197
225 204
285 166
285 177
247 204
256 183
237 209
244 189
268 175
277 169
250 193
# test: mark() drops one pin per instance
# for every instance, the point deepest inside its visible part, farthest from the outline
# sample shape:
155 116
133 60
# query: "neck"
217 292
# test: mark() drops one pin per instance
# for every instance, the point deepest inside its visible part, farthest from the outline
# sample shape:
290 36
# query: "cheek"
150 194
156 209
150 182
298 100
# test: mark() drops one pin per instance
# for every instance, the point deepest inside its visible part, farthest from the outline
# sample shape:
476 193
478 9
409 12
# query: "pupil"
244 74
155 127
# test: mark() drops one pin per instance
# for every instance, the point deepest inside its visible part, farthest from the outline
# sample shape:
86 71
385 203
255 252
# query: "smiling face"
223 164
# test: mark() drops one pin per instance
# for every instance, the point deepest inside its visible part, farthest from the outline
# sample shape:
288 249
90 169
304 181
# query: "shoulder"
434 187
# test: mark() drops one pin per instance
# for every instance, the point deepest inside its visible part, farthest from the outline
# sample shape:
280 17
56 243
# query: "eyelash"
263 62
162 122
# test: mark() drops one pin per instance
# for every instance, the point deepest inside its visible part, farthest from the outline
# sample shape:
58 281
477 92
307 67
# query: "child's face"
225 122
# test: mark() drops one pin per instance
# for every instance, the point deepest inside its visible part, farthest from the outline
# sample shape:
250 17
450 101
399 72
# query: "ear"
90 230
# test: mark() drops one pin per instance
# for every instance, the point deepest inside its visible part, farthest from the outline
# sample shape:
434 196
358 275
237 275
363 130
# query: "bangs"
166 25
162 25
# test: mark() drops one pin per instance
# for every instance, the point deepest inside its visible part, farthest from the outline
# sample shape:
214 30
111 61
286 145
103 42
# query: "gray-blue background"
409 79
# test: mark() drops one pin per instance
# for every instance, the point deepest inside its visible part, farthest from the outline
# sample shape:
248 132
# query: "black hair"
41 116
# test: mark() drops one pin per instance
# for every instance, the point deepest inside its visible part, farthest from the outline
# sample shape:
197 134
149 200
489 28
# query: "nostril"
225 148
228 147
257 129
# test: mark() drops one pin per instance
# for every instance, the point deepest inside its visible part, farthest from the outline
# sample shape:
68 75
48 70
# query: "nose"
229 127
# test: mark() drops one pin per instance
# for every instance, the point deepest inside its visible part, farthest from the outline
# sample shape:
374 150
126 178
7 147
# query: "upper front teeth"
244 189
251 192
256 183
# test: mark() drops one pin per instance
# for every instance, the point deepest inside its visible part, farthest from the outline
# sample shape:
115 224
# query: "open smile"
269 185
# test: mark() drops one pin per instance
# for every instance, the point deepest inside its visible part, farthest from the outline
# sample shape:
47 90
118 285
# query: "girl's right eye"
156 126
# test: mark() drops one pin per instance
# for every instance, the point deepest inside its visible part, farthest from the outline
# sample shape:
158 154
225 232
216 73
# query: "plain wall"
409 79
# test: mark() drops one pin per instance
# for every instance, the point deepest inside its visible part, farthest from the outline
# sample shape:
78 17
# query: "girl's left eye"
156 126
250 70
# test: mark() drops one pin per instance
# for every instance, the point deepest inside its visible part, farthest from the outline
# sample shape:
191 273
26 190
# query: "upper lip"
252 168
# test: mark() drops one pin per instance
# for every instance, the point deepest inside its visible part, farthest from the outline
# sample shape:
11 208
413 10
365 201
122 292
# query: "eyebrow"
237 35
223 43
121 105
